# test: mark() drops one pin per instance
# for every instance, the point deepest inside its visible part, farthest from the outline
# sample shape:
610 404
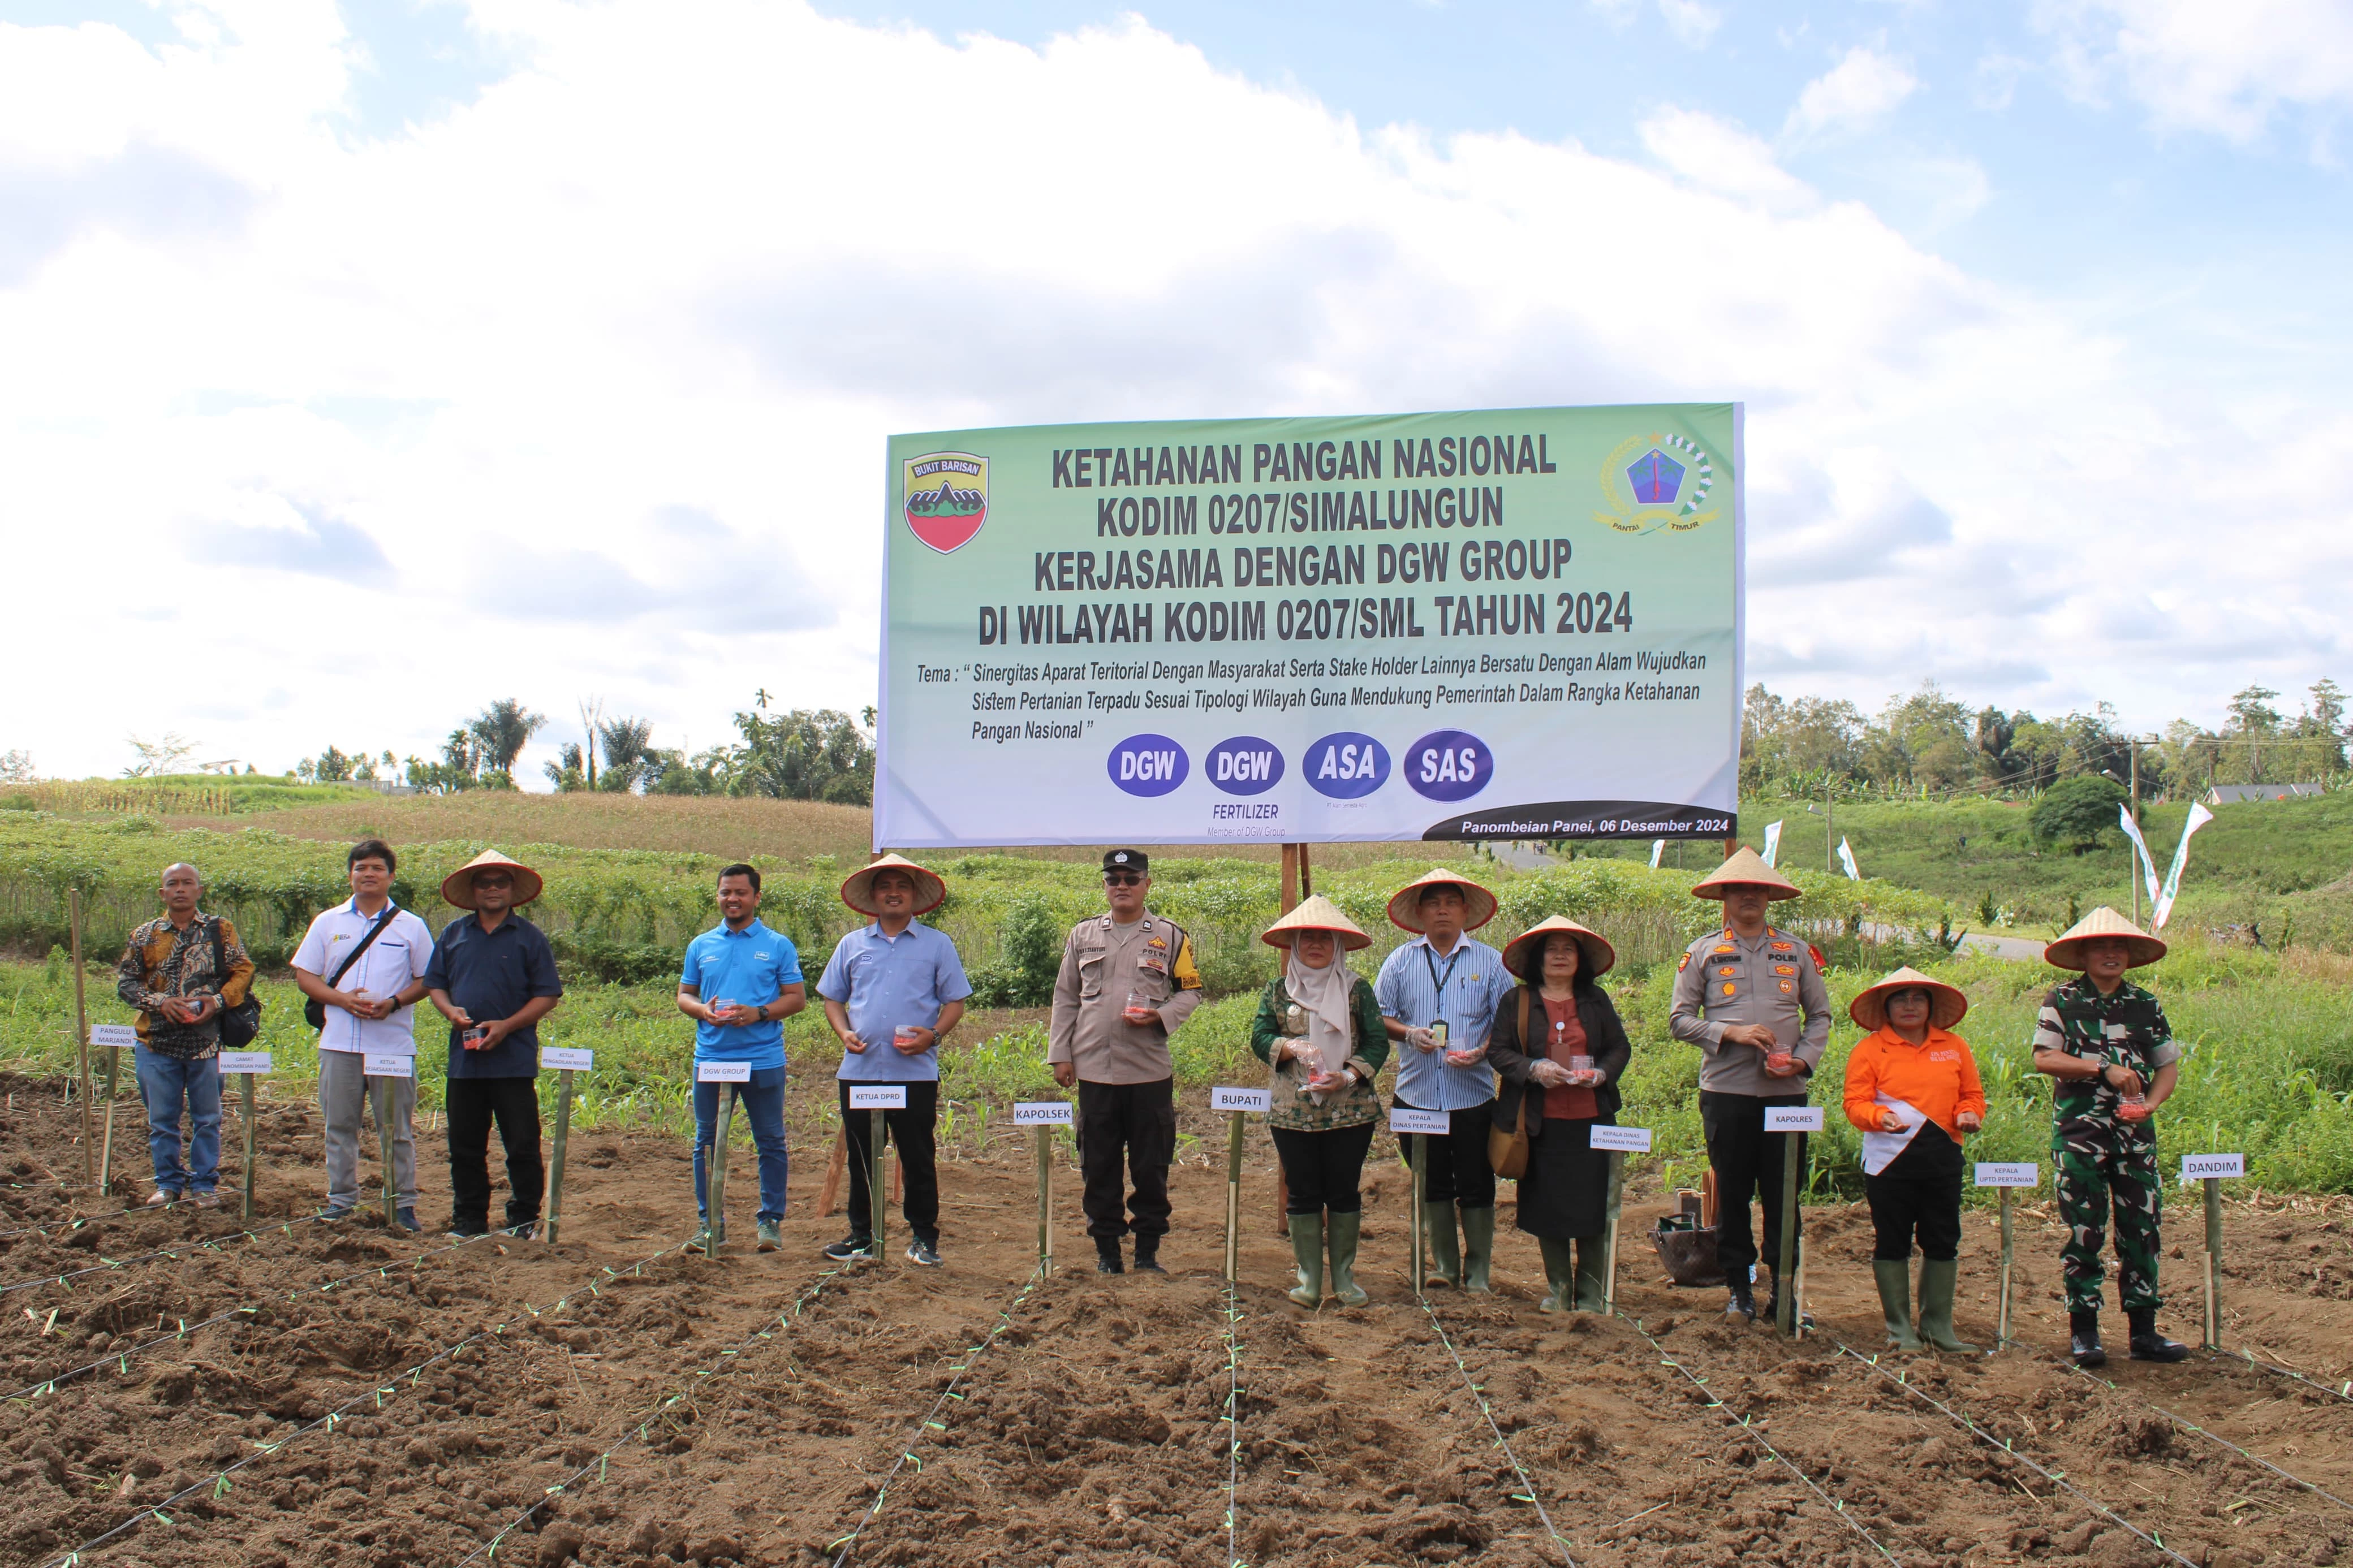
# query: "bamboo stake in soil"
1785 1281
384 1098
106 1143
555 1172
1233 1195
1421 1242
715 1179
81 1025
2213 1263
875 1207
2001 1320
1609 1234
249 1143
1045 1140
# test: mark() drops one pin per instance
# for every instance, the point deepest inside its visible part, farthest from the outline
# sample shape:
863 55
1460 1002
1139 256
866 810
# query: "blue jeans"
762 1103
164 1082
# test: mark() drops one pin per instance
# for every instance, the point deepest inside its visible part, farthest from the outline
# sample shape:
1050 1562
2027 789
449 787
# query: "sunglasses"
1120 880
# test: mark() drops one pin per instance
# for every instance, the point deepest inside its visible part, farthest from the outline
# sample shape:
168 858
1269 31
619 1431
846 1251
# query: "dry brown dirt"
744 1411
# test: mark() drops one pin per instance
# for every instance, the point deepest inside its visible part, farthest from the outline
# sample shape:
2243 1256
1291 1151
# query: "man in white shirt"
370 1002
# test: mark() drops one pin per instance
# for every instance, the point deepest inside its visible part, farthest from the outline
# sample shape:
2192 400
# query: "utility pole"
1830 827
2134 746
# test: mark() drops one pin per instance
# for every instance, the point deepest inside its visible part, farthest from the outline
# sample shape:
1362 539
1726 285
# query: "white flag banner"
1658 847
2199 817
2140 846
1846 858
1772 843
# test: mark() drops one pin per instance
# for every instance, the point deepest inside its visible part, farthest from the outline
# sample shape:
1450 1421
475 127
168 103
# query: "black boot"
1741 1305
1107 1256
1147 1254
2083 1338
2147 1344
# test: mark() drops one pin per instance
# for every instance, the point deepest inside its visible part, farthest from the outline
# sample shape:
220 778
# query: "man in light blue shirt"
741 981
890 991
1438 995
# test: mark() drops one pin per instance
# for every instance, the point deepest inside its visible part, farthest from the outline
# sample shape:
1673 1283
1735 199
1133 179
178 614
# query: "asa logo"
1346 765
1148 764
1244 765
945 498
1447 765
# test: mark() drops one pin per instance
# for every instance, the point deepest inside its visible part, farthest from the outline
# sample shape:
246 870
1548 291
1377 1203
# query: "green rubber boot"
1893 1278
1588 1274
1936 1283
1478 1249
1442 1249
1307 1251
1560 1274
1342 1231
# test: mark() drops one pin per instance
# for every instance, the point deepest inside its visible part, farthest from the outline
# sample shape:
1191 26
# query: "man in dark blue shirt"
493 976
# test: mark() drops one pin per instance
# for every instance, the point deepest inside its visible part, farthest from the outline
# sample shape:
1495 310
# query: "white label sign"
2008 1173
567 1058
1793 1119
380 1065
245 1061
1631 1140
1042 1113
1404 1120
2198 1167
1253 1100
722 1072
877 1097
121 1036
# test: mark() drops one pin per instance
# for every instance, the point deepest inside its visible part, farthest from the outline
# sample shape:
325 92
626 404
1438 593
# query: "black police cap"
1134 860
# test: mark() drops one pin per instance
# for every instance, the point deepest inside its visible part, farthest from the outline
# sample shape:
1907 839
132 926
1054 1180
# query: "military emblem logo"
945 495
1655 481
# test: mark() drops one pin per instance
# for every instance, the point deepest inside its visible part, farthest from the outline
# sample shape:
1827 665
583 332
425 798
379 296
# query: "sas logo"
1654 482
1348 766
1244 765
945 497
1448 764
1147 765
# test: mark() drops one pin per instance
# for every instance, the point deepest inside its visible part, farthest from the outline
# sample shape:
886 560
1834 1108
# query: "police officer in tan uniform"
1751 997
1128 981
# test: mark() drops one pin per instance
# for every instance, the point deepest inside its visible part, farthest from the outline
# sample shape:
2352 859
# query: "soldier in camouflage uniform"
2105 1044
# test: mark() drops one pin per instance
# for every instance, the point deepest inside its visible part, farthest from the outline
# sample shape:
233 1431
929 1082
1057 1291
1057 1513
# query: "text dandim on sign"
1512 624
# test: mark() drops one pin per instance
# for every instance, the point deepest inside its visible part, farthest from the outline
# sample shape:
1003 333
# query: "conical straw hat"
1947 1004
1746 866
1523 954
1405 907
2067 952
1316 912
858 888
458 887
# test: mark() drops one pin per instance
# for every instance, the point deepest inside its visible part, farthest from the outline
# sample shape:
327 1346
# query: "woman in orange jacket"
1912 1090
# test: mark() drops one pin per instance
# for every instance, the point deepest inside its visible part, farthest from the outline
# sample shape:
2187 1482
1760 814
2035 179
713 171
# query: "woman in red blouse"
1559 1050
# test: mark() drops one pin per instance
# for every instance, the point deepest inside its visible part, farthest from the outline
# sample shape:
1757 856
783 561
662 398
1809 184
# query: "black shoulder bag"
315 1012
240 1023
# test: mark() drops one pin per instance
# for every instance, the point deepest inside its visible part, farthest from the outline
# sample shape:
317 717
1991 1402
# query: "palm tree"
501 731
628 748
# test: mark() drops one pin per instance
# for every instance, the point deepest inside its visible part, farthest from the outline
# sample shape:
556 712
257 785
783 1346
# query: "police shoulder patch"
1682 964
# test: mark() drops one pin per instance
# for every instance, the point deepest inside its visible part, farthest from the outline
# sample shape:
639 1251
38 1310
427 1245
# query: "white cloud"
1855 94
582 388
2229 69
1691 22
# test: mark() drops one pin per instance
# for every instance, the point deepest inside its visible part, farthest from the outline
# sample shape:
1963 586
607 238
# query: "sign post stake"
1609 1234
247 1094
381 1094
1786 1316
555 1171
81 1025
715 1231
1233 1196
1044 1137
2001 1318
106 1141
2214 1186
875 1190
1421 1242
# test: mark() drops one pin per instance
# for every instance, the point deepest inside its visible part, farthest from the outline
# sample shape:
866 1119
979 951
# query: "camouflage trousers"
2095 1162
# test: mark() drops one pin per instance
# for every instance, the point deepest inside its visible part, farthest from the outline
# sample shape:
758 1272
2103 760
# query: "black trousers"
1136 1121
1456 1167
474 1104
1324 1168
1746 1160
910 1132
1918 1193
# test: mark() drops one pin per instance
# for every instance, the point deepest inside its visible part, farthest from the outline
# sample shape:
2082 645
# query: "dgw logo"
1147 765
1245 766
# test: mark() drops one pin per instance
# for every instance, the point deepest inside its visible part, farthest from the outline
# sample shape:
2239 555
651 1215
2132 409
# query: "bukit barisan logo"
1655 481
945 499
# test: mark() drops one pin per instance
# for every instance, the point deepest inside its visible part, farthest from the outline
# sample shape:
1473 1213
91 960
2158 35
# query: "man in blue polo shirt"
890 991
493 976
741 981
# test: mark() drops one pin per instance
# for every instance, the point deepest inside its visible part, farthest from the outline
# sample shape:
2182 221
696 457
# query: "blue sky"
2037 308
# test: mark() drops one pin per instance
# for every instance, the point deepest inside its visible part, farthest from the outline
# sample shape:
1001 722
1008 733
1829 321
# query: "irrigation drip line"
77 1222
1748 1424
121 1359
219 1480
1527 1492
2191 1427
2056 1478
104 1263
2345 1393
715 1367
931 1418
1233 1423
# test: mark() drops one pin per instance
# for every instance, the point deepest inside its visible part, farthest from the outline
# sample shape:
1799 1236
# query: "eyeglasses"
1120 880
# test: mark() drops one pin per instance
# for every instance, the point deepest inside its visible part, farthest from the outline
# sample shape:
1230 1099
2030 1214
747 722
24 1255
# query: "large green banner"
1506 624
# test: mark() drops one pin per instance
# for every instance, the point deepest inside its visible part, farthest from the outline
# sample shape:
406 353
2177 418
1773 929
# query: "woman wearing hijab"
1319 1028
1559 1050
1912 1091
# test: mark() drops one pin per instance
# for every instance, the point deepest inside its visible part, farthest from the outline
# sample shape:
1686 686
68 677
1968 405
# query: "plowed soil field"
348 1395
